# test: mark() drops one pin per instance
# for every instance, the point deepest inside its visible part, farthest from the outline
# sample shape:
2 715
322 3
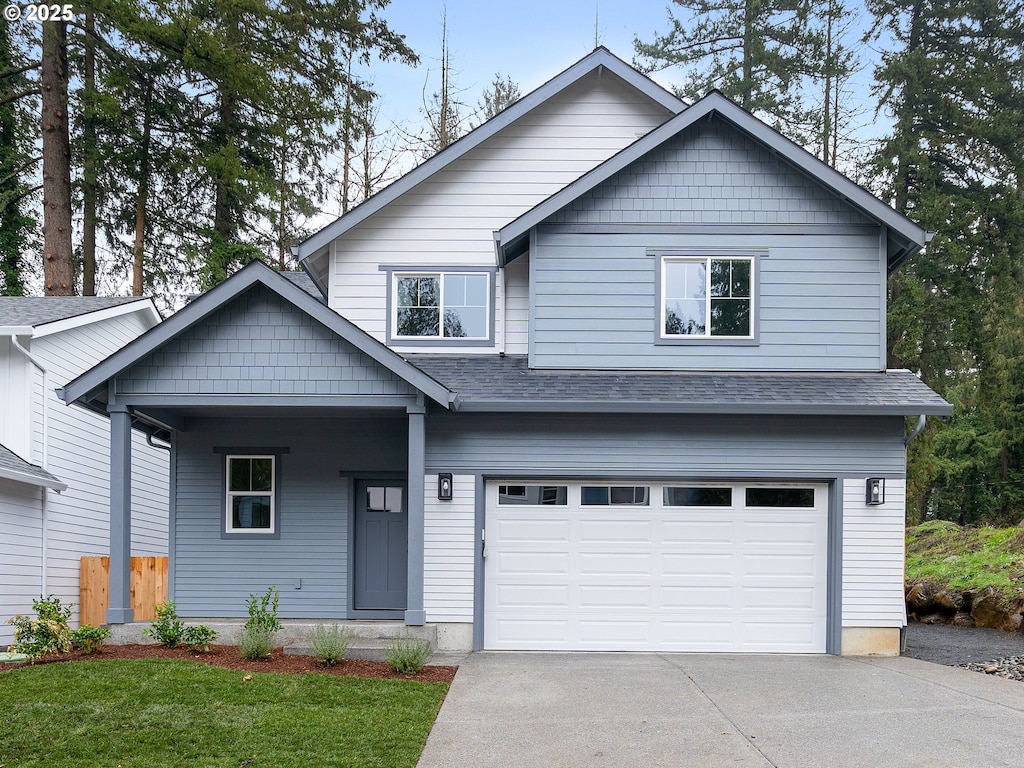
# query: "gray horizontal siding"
696 446
260 344
214 576
596 303
710 174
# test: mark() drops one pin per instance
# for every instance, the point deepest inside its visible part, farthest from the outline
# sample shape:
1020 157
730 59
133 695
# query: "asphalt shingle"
39 310
11 462
508 383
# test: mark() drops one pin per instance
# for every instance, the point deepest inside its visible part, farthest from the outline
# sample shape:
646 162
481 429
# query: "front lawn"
160 712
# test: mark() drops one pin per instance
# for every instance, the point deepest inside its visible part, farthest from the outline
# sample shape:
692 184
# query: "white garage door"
655 567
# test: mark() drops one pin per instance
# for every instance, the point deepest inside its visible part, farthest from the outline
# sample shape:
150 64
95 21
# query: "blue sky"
531 41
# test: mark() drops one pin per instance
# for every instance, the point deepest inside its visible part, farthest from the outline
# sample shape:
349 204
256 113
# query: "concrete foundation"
454 638
871 641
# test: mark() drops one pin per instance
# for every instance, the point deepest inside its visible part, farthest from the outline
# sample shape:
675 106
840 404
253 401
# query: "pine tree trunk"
58 267
142 199
89 183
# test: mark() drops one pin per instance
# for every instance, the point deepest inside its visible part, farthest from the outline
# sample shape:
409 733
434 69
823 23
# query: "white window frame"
706 260
229 495
440 275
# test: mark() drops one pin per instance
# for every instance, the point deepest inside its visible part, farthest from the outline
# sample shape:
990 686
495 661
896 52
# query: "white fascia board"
144 306
16 330
32 479
600 58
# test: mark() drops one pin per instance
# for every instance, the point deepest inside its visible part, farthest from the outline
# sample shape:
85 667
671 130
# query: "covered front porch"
297 456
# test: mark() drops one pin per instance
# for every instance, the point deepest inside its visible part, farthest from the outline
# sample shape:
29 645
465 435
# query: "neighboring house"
54 474
606 374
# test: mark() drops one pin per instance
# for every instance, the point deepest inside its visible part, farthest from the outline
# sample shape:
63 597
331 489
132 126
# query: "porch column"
119 606
414 614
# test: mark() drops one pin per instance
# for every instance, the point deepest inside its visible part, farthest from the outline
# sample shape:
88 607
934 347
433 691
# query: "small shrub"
255 642
89 639
263 610
330 642
167 629
407 655
47 633
199 637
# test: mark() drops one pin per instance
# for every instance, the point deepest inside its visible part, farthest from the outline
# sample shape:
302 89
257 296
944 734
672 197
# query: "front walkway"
620 710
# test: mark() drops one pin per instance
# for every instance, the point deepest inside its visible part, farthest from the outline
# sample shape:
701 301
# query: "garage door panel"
651 578
532 596
623 531
519 563
697 565
615 596
630 563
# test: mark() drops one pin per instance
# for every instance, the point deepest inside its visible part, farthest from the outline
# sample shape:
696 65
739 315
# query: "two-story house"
54 478
608 373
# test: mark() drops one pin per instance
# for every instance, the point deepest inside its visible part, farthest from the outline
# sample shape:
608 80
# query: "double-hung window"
707 297
443 305
250 506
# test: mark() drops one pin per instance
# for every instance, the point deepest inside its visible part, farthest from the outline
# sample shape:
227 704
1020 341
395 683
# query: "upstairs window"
453 305
707 297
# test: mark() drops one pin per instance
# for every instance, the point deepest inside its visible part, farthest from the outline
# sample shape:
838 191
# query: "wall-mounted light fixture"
875 493
444 486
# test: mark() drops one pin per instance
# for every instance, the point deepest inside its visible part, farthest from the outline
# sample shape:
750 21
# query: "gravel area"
981 650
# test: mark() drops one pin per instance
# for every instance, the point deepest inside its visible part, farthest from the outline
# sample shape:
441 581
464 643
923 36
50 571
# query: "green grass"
161 712
966 558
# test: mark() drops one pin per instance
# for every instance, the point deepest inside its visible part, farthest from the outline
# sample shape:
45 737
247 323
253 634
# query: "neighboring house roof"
905 237
89 388
600 58
489 383
13 467
36 311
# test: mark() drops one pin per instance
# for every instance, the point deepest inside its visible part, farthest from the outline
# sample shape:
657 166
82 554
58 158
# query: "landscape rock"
990 610
920 597
949 601
963 619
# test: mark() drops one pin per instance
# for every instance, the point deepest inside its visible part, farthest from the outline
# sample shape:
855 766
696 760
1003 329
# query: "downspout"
44 507
919 427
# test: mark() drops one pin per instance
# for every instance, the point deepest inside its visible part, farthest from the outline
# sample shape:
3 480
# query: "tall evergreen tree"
754 51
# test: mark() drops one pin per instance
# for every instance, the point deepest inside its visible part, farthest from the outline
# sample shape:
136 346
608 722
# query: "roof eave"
763 409
33 479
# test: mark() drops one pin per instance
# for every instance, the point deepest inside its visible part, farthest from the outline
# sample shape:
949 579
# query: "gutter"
918 428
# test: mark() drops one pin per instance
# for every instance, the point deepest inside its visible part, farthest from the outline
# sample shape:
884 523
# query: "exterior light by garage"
444 486
875 491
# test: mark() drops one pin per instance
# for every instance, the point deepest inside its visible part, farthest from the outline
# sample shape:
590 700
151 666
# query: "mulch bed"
229 657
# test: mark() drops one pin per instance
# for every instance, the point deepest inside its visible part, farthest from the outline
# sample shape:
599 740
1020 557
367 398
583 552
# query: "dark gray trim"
766 408
415 614
834 560
600 58
883 301
439 341
119 594
480 495
290 401
92 382
633 228
717 104
755 256
277 453
172 511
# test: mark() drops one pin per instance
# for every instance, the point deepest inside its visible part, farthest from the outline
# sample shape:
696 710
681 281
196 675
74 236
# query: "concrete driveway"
517 710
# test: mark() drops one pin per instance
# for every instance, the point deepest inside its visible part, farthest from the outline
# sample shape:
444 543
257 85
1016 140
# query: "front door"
380 551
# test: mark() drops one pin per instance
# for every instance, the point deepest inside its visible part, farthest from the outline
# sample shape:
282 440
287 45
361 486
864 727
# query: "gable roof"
599 58
495 384
905 237
13 467
36 311
95 380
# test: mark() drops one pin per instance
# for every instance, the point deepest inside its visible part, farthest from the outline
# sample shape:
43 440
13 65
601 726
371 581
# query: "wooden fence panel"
148 585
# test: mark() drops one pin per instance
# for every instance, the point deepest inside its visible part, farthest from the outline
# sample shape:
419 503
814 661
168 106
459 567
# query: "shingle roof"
305 282
492 383
39 310
14 467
